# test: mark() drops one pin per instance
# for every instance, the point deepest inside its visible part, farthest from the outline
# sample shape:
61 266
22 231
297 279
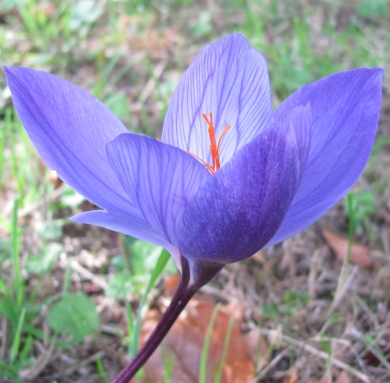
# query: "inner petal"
230 79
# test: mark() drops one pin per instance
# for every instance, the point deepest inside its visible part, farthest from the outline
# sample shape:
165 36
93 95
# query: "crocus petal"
345 111
159 178
70 130
240 208
129 225
229 79
297 124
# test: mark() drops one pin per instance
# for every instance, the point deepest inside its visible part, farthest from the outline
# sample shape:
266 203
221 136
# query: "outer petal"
239 209
70 130
297 124
159 178
345 111
229 79
129 225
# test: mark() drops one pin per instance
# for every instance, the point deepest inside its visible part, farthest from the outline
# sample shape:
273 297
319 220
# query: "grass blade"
160 265
101 371
218 376
18 282
2 144
16 341
205 351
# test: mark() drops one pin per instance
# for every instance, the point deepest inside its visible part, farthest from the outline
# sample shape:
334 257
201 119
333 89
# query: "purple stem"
183 294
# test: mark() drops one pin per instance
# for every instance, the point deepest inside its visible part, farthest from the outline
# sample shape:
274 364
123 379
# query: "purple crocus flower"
230 176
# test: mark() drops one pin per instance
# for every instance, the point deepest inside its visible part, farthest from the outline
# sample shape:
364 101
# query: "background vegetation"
69 293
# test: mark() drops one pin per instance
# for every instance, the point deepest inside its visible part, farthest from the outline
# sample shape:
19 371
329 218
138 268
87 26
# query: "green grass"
131 54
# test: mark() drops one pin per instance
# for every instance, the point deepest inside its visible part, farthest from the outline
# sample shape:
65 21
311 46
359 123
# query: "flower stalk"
183 294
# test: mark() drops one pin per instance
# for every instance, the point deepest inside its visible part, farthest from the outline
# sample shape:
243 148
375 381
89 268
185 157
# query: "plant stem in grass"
183 294
201 273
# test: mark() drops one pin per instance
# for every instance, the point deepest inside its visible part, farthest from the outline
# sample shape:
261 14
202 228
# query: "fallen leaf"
327 378
170 284
184 345
359 254
371 359
343 378
292 376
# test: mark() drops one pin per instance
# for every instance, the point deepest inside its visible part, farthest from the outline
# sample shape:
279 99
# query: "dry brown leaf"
327 378
343 378
185 343
170 284
292 376
359 254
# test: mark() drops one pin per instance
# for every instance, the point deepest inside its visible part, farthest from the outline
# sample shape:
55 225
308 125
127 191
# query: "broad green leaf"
372 8
70 197
119 105
51 230
75 315
119 285
42 263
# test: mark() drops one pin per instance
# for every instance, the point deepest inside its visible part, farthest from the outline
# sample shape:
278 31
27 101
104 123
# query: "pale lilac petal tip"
229 79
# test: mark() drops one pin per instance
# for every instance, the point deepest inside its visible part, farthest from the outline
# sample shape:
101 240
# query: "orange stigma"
214 145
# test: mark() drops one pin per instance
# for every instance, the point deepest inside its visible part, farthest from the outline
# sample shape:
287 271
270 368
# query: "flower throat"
214 145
